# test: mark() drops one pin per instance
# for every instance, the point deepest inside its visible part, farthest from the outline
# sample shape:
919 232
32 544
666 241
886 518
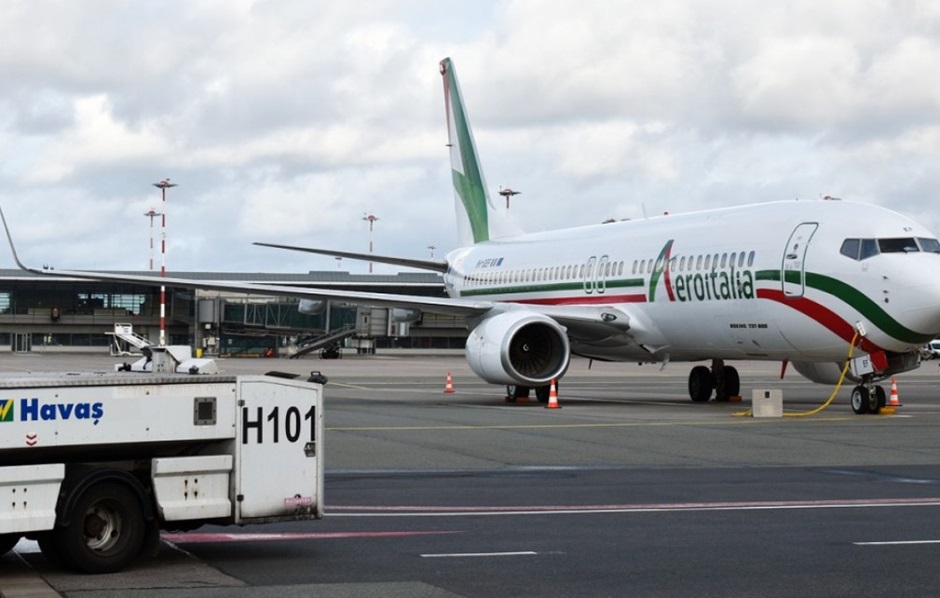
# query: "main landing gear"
868 398
722 379
514 392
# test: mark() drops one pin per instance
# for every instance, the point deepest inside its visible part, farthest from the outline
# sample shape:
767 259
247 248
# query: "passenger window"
698 263
750 258
708 261
741 260
724 260
850 248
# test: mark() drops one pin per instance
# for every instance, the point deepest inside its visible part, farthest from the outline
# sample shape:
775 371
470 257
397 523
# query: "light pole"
508 193
370 218
432 248
163 186
152 214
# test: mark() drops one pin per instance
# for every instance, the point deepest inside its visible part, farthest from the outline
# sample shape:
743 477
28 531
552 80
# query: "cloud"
289 119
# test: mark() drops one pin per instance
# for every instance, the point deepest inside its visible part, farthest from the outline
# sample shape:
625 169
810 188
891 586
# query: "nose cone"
918 305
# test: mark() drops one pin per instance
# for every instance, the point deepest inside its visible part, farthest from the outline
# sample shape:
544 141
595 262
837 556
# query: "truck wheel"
7 542
50 550
105 530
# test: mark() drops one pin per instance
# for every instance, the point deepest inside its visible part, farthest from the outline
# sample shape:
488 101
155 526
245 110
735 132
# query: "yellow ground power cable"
831 398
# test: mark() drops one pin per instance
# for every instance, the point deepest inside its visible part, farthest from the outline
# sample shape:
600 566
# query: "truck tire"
105 530
7 542
50 550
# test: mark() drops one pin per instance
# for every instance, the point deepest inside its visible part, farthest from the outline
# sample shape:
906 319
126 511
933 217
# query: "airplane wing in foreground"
432 265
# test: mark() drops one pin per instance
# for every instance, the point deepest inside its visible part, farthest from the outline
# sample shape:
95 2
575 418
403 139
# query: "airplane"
800 282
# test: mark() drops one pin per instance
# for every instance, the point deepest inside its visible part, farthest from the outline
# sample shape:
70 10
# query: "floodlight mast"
370 218
163 186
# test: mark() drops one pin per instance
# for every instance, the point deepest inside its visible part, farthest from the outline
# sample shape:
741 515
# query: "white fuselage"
764 281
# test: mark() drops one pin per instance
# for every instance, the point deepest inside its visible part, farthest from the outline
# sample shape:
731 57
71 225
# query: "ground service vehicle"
93 466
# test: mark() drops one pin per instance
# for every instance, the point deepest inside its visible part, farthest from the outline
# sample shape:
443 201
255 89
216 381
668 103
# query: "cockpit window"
869 249
850 248
929 245
862 249
899 245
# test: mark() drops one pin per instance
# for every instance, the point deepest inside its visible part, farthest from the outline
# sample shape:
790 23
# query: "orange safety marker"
449 385
552 397
893 399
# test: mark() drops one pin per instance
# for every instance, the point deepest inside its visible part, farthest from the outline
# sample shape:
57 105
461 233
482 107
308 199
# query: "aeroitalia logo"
714 284
6 411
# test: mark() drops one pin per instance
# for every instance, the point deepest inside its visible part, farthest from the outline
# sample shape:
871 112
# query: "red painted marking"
32 439
581 300
821 314
683 506
185 538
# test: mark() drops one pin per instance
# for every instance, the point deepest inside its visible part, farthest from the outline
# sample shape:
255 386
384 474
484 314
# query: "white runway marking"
478 554
897 543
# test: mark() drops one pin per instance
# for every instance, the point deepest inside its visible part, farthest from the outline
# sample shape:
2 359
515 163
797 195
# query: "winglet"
16 257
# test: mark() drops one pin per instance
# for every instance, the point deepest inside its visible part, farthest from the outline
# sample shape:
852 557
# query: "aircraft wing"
432 265
440 305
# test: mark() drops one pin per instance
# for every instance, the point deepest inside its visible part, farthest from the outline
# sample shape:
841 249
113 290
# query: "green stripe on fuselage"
549 288
856 300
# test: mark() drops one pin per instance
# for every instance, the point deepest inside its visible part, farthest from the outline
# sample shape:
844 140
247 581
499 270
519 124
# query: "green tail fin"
476 212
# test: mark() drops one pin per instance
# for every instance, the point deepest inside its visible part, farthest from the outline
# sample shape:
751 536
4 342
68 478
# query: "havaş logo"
35 410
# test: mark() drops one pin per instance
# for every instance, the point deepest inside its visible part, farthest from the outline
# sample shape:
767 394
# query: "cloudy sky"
287 121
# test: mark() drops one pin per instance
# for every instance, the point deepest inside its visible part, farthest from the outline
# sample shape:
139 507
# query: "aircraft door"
589 275
600 281
792 270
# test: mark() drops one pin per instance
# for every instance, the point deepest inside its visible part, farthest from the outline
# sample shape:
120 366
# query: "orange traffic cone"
552 397
893 399
449 385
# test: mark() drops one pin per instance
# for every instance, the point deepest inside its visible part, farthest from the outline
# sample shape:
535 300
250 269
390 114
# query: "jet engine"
312 306
405 315
823 372
518 347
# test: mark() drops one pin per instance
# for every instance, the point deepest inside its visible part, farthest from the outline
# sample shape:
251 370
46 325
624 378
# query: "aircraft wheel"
879 401
105 531
516 392
7 542
861 401
701 384
732 381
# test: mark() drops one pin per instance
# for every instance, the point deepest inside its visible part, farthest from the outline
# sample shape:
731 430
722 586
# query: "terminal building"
44 313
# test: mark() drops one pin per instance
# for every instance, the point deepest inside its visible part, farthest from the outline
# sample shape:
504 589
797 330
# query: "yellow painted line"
552 426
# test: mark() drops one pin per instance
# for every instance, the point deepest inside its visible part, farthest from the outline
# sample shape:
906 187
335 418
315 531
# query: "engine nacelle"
823 372
405 315
518 347
312 306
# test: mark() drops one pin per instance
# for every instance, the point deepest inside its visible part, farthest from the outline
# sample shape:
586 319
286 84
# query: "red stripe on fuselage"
821 314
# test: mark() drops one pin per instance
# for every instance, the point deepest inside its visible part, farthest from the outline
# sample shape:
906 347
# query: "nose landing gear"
868 398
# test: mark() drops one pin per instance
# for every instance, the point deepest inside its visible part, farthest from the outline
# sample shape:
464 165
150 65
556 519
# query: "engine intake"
518 347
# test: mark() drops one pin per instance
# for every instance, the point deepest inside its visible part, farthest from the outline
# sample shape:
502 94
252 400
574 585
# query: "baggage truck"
93 466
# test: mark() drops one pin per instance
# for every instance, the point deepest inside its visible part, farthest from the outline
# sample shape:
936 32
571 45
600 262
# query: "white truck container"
93 466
